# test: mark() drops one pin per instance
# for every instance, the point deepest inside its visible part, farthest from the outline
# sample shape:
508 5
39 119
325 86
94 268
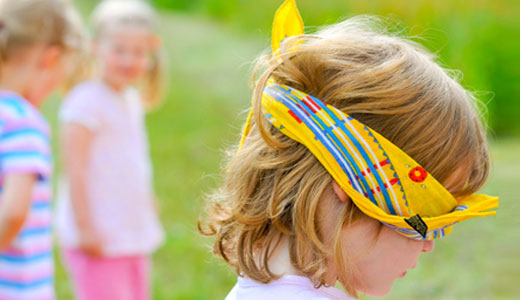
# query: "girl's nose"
428 246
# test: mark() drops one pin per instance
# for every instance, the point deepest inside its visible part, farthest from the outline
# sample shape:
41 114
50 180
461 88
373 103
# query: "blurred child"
36 40
359 152
107 219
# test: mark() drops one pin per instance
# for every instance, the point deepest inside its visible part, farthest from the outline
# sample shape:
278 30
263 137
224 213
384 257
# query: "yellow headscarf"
383 181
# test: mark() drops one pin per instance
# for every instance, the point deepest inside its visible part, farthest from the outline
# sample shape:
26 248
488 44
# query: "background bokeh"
210 45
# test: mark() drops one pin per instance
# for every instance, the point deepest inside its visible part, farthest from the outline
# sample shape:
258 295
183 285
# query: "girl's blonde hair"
272 187
135 13
27 22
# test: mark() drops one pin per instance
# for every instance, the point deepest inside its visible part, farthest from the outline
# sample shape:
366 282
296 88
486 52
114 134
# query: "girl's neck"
280 263
16 79
280 260
115 86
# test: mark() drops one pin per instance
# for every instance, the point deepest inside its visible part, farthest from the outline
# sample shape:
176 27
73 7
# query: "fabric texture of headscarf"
383 181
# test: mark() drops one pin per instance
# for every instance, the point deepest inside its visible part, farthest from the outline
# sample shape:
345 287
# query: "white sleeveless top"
119 176
288 287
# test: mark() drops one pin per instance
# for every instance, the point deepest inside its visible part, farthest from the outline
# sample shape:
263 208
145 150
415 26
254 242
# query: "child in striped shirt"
36 37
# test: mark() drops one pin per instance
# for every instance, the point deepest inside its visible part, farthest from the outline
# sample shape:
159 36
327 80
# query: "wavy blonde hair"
273 186
134 13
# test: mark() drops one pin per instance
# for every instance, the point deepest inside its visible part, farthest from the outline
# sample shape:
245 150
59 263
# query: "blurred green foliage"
479 37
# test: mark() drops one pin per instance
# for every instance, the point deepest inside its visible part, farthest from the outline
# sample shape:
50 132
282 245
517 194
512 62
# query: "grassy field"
207 95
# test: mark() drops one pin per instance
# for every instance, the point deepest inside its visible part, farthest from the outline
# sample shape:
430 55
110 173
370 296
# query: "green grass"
202 115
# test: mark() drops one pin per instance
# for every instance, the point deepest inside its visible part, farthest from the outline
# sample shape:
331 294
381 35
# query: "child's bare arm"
16 203
76 141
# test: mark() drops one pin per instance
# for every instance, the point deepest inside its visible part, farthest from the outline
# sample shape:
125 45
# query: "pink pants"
108 278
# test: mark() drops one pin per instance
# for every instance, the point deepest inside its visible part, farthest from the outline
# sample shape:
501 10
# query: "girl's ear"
340 193
154 42
50 56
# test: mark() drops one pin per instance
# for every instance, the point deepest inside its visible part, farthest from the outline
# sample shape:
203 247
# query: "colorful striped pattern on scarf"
382 180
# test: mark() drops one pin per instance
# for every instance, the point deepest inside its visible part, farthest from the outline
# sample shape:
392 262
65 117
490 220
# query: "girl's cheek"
143 61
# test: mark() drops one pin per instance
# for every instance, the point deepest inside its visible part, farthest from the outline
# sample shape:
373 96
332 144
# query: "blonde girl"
359 152
37 40
107 219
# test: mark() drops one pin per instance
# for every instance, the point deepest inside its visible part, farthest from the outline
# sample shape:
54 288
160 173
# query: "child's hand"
91 243
156 204
76 146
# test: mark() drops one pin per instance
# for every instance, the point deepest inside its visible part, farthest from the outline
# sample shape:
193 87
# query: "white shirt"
119 176
288 287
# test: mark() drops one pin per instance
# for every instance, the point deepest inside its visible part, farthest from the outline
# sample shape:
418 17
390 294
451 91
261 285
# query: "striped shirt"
26 266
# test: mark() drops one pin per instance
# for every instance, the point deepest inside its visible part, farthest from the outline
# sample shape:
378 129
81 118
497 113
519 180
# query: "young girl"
107 218
359 152
35 38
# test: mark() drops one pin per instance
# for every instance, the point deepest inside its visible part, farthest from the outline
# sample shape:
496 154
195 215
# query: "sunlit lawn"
208 93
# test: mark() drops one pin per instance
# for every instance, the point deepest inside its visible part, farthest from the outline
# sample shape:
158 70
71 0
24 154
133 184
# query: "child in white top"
358 153
117 176
107 217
